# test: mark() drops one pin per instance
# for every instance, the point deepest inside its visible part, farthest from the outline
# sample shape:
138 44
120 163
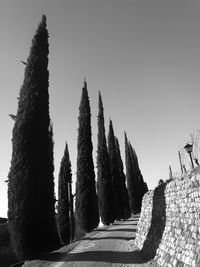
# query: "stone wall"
169 225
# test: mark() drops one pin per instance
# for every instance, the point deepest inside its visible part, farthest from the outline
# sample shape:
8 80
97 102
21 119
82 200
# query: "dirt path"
104 247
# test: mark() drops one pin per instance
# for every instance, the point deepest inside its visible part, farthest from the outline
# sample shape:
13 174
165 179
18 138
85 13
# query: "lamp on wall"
188 149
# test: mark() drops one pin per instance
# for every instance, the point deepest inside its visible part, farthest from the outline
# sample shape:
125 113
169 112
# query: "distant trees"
31 201
135 183
65 201
104 181
87 213
139 182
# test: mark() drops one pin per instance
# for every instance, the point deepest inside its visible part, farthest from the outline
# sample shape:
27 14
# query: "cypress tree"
116 183
130 176
138 178
135 182
87 214
124 191
104 182
64 180
31 200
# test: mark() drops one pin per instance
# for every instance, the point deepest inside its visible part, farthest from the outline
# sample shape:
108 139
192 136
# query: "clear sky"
144 57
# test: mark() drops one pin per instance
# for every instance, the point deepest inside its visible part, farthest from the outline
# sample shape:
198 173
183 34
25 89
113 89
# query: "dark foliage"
139 182
135 182
145 187
104 182
3 220
64 180
124 191
87 213
31 200
116 183
130 177
128 173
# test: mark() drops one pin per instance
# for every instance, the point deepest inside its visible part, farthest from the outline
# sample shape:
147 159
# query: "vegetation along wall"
169 225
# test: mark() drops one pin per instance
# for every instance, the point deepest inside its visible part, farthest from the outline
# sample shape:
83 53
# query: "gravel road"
111 246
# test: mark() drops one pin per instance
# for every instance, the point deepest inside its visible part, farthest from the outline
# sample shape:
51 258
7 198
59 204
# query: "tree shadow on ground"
99 256
109 237
155 233
115 230
124 224
120 257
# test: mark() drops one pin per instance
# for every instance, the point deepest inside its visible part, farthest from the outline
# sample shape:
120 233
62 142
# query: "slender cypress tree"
129 176
104 182
87 214
64 179
135 182
116 183
31 200
138 179
124 191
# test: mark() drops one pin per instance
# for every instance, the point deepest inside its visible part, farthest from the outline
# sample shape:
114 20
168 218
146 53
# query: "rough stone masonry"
169 225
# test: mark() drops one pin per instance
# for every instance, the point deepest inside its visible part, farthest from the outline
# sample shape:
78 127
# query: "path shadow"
109 237
115 230
124 224
99 256
158 221
129 257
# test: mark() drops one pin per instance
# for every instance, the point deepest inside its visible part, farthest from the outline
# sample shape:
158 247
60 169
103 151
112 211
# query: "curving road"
104 247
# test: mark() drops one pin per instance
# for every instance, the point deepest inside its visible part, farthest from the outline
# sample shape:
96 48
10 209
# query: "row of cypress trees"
31 199
111 187
115 201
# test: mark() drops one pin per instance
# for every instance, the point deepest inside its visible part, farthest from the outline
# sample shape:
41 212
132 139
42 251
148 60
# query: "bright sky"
144 57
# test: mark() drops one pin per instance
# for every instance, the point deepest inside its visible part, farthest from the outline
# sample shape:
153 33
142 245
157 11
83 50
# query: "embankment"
169 225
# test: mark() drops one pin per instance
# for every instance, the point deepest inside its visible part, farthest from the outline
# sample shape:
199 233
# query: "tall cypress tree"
64 180
31 200
104 182
130 176
116 183
138 178
135 182
124 191
87 214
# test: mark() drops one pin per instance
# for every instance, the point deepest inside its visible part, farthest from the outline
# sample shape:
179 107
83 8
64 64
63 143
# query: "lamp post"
179 155
188 149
